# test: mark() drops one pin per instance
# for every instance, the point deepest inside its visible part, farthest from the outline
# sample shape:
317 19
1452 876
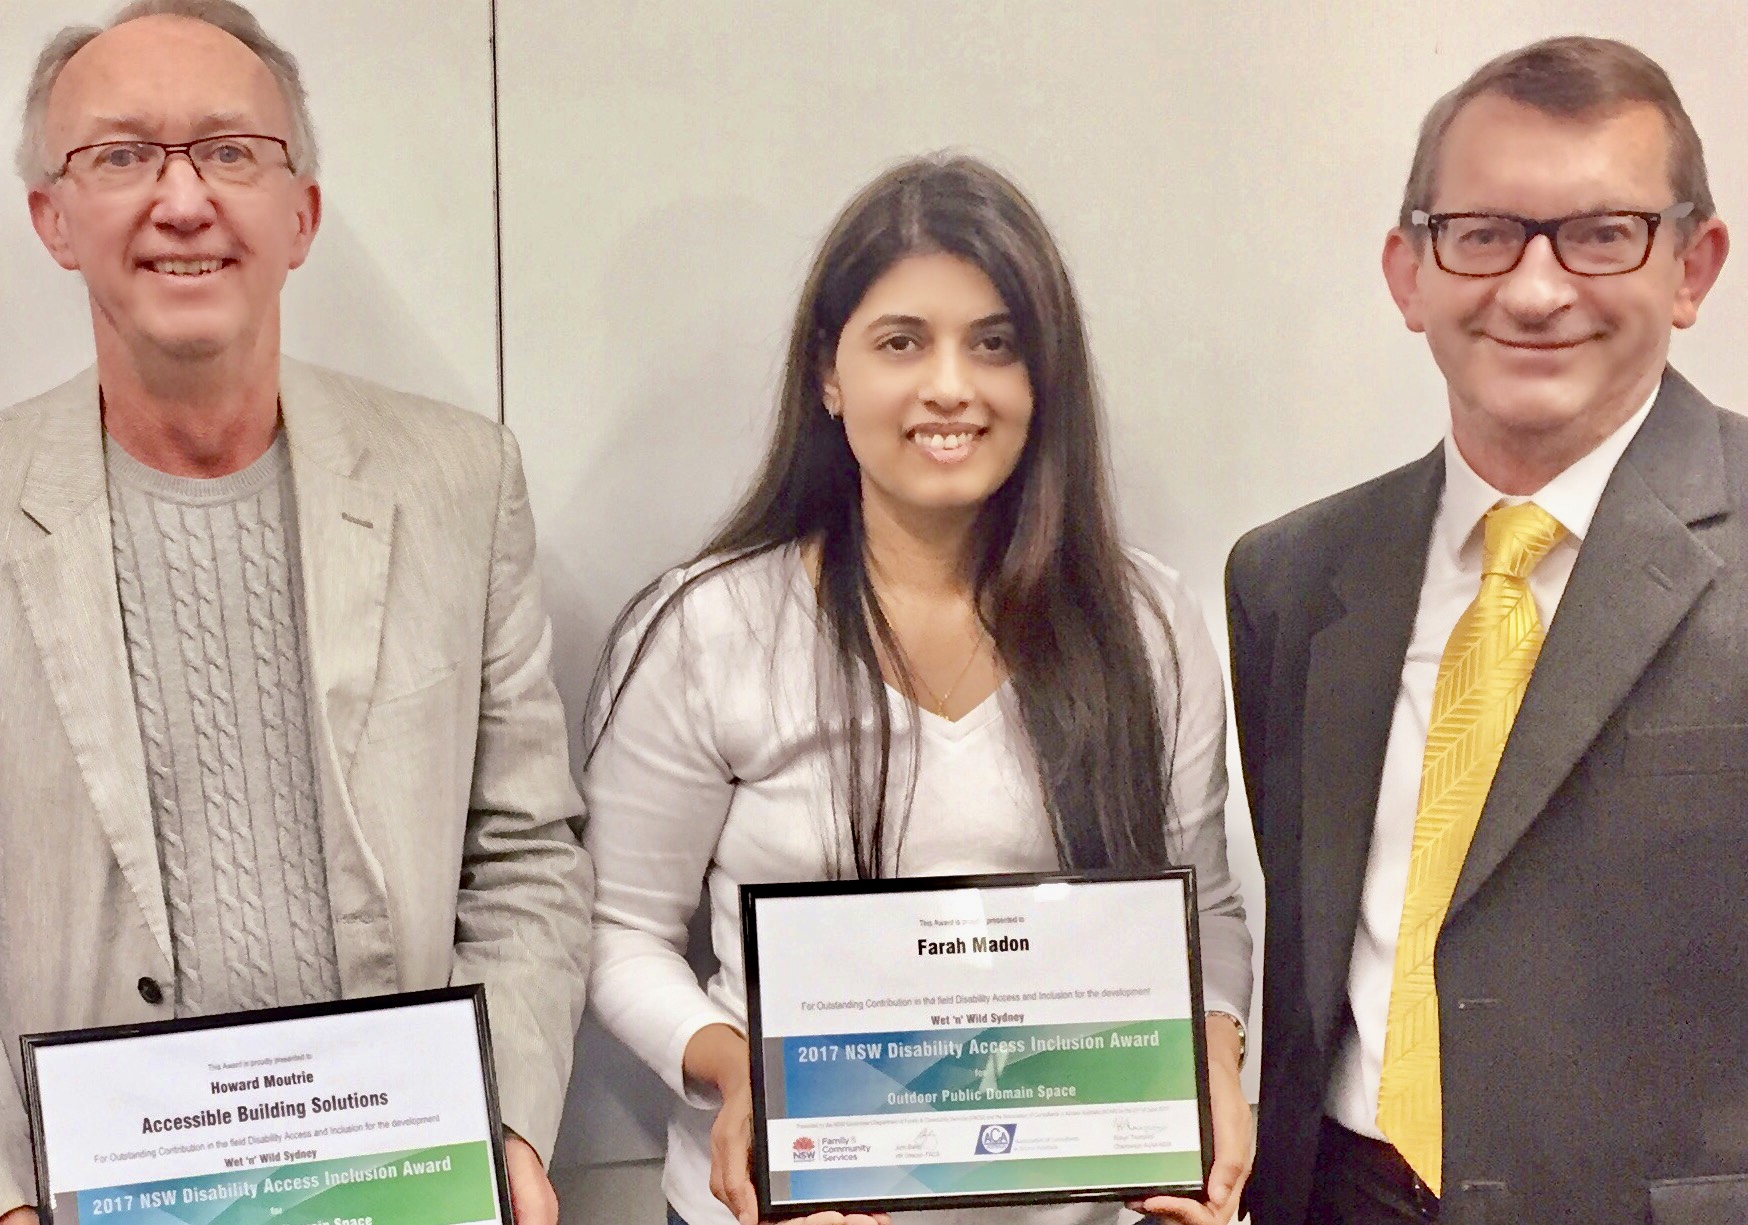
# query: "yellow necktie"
1481 681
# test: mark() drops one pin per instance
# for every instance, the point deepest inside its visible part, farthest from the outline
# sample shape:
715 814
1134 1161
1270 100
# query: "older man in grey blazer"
278 723
1493 706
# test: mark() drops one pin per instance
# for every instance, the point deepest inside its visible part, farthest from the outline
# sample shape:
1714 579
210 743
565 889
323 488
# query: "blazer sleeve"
1250 671
17 1173
521 921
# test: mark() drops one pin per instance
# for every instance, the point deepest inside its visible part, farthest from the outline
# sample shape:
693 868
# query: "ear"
50 224
1402 260
829 390
307 218
1699 264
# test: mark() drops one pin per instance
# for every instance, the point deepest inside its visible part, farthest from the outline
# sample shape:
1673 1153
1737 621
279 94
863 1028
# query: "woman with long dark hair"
916 648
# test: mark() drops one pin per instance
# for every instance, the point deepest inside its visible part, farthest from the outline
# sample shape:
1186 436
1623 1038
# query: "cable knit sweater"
212 609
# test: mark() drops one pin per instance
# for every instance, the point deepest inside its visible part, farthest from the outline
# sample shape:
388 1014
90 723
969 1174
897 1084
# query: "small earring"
831 412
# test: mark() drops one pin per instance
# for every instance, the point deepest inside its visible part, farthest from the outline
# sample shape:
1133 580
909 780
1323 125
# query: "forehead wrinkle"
149 63
1615 158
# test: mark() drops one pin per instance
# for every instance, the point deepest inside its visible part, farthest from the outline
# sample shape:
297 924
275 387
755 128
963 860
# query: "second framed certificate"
362 1112
975 1041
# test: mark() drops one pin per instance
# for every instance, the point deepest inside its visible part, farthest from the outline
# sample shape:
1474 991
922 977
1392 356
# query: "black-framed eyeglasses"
1586 244
232 159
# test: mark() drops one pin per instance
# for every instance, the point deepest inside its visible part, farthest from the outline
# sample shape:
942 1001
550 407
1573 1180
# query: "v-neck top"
716 770
953 729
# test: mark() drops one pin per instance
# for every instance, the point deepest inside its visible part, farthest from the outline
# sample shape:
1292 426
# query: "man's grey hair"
36 162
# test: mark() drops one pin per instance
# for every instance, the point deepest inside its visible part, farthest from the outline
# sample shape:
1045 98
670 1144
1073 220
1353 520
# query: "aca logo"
802 1149
995 1139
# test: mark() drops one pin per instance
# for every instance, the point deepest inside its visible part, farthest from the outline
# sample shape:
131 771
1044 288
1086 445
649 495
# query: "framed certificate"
376 1111
975 1041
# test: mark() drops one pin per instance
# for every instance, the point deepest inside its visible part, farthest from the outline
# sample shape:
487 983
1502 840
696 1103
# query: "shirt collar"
1571 497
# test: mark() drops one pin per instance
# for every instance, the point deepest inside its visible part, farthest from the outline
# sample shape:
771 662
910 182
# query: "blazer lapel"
1640 569
345 533
67 586
1354 672
345 537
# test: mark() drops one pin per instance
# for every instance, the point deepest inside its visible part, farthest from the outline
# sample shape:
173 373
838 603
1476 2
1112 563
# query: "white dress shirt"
1453 577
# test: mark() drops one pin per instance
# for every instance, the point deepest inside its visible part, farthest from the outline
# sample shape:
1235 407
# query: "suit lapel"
1638 573
67 586
345 533
1353 674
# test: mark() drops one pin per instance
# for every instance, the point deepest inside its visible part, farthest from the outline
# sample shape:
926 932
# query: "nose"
947 385
1539 287
181 199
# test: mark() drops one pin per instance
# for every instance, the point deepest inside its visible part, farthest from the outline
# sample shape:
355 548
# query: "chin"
1536 409
939 502
189 348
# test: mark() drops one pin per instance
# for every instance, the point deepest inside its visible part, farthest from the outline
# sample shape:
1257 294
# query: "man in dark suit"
1493 706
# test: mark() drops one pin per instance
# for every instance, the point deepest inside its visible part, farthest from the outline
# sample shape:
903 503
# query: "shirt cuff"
673 1070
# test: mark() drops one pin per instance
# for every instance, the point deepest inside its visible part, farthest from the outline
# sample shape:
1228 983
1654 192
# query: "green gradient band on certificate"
975 1041
381 1111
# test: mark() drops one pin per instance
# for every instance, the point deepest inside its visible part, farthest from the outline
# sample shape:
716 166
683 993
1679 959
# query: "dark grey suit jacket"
1593 968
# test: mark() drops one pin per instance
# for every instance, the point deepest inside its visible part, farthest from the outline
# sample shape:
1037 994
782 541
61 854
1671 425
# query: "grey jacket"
449 818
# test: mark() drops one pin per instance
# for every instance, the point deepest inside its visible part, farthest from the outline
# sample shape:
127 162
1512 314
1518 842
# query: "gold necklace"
942 700
938 701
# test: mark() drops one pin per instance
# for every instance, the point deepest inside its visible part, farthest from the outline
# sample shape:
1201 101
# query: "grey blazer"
1593 992
447 805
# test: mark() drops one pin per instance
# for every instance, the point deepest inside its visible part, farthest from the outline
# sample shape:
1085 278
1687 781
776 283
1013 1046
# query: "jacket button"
150 991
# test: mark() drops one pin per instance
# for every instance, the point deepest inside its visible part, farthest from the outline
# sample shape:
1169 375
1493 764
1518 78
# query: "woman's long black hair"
1060 599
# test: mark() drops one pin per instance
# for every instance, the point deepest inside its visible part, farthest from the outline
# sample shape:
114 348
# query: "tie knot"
1517 537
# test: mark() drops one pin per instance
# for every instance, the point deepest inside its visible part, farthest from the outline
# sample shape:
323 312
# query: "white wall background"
1220 175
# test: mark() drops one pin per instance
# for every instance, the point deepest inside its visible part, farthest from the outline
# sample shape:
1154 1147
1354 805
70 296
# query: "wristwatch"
1238 1024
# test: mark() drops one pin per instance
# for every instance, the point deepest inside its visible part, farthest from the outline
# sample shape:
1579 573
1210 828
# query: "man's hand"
532 1198
19 1216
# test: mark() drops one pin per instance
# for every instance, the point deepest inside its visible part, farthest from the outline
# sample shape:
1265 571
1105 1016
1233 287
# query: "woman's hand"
1234 1137
717 1056
532 1199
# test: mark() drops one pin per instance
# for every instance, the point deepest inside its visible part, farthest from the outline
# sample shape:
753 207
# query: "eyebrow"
917 321
135 125
1586 211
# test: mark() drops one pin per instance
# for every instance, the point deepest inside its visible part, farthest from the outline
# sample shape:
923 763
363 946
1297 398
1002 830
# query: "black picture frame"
474 993
750 897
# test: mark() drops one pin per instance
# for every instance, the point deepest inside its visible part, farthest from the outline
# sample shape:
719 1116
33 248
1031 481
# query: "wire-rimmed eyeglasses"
232 159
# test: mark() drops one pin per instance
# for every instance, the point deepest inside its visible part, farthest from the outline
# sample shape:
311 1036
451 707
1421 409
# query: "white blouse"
715 771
